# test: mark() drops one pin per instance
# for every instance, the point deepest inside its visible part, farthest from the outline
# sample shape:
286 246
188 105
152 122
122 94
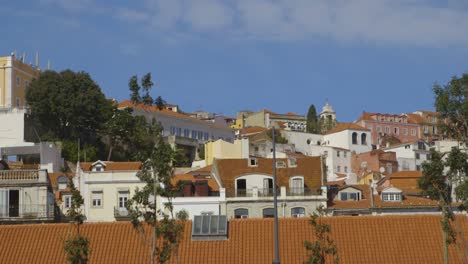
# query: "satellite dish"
382 169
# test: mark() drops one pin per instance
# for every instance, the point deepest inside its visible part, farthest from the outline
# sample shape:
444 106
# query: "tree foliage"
134 88
166 228
312 125
325 124
452 105
76 247
67 105
146 85
323 246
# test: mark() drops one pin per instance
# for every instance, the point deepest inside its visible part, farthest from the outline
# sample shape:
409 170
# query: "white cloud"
400 22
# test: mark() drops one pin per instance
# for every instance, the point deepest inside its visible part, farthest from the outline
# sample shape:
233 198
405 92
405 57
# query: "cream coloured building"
15 76
221 149
106 187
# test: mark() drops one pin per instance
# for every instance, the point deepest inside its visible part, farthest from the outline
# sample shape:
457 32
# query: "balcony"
283 193
26 212
301 191
121 213
23 176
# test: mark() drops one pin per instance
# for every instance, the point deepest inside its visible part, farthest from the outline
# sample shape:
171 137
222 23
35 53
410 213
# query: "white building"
411 155
349 136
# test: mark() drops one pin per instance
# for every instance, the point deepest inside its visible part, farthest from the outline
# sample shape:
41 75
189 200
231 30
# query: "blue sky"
229 55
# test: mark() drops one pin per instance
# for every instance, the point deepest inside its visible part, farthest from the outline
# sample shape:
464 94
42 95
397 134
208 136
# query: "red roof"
359 239
345 126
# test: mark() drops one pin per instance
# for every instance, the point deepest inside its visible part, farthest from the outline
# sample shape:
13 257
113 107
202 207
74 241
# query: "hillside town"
366 178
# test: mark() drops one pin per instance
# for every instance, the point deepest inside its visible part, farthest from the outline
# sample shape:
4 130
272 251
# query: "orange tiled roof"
359 239
153 108
190 177
252 130
406 174
310 168
344 126
204 169
114 165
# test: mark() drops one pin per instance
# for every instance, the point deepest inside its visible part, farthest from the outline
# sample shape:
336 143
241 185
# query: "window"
98 168
123 199
344 196
268 213
62 182
418 156
200 135
392 197
389 168
241 213
18 81
354 138
96 198
206 136
292 162
298 212
413 132
26 84
345 154
387 130
405 131
18 101
395 130
363 139
67 200
338 168
179 131
173 130
379 129
241 187
296 185
253 162
186 133
345 169
209 225
418 167
281 164
338 153
194 134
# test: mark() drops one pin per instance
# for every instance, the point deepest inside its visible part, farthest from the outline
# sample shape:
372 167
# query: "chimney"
201 188
371 186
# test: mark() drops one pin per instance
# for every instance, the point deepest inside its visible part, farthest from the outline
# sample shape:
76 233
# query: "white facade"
12 127
110 187
302 142
338 160
358 141
411 155
48 154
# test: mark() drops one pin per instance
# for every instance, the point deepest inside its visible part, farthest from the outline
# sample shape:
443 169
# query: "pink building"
389 128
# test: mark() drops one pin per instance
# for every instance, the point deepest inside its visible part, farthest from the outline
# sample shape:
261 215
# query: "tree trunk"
110 153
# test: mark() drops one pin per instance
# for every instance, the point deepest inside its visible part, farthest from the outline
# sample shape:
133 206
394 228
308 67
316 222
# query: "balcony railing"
120 212
26 211
243 193
14 175
266 192
301 191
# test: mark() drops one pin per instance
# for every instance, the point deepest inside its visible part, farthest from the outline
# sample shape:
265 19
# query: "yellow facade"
221 149
239 124
15 76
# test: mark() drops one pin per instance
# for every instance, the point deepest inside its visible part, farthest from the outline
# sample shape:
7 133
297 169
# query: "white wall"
11 127
343 139
300 139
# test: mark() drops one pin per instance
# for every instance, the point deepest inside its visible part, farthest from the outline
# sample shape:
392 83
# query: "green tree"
326 124
312 125
76 247
323 245
67 106
445 171
160 103
166 228
146 85
452 105
134 90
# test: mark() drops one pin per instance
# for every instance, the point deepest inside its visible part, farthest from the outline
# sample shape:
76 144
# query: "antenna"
37 59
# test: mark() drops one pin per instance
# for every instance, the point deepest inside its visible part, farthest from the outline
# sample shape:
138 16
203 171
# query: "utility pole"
275 201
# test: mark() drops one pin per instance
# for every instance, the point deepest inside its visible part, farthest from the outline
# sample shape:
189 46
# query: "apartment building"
15 76
249 186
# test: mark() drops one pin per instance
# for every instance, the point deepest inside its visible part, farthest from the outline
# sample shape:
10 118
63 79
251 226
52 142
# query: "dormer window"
62 183
391 194
350 194
98 166
253 162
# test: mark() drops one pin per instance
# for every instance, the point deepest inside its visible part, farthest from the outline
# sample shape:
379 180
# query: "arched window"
241 213
363 139
298 212
241 187
354 138
268 213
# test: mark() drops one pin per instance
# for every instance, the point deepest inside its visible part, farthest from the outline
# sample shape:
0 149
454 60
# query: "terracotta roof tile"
344 126
114 166
252 130
310 168
364 239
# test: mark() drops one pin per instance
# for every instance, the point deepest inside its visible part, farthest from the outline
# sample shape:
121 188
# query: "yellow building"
221 149
15 76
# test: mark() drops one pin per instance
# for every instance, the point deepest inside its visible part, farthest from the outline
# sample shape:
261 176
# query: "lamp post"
275 202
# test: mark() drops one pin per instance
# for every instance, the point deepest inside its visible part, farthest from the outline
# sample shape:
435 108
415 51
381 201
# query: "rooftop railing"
13 175
26 211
